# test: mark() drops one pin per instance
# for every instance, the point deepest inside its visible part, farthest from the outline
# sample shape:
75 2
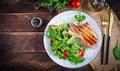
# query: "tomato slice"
65 53
51 41
81 54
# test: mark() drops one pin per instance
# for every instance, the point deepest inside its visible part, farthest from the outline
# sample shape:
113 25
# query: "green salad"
64 45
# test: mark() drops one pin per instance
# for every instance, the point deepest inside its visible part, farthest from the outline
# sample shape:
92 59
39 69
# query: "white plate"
65 17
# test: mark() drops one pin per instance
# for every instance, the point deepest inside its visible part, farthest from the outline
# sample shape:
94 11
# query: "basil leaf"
116 51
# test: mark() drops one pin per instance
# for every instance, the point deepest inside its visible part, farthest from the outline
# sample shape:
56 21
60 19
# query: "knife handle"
102 49
107 50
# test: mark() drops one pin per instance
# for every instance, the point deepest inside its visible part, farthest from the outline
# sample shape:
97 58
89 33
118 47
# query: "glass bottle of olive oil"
96 5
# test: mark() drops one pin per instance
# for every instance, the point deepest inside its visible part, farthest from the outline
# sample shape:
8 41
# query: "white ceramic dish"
90 54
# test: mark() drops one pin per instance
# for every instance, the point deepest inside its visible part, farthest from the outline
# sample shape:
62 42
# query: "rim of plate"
67 60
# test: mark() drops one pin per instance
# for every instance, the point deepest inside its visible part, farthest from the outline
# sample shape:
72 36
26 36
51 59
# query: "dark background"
115 5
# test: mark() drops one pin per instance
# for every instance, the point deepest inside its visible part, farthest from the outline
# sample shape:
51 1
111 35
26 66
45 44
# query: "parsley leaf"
57 4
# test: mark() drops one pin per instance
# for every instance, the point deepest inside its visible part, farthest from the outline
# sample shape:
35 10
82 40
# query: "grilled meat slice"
85 33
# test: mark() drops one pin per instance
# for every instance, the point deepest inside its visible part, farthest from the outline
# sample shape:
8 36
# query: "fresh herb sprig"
57 4
79 18
116 51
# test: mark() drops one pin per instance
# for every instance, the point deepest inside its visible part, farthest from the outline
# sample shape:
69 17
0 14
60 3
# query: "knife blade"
111 23
111 19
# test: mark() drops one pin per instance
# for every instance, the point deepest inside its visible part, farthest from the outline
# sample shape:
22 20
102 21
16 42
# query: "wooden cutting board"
114 65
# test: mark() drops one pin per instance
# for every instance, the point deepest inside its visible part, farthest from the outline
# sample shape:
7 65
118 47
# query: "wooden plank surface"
32 62
15 22
21 42
21 45
17 6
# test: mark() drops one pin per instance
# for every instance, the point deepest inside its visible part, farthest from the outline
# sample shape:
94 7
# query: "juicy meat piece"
85 33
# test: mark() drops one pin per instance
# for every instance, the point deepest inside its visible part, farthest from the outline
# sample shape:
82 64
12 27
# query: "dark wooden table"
21 45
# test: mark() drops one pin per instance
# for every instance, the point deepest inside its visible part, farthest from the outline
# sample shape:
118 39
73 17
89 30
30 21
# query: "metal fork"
104 25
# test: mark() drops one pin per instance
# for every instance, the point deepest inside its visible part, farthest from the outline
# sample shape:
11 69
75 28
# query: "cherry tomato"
81 54
51 41
75 3
65 53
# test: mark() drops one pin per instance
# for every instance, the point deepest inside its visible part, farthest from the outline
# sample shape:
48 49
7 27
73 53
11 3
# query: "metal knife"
111 19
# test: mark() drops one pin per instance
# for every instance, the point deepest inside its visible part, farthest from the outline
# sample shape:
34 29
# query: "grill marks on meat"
85 33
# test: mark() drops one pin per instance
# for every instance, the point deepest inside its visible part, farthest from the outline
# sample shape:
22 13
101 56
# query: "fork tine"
104 22
104 25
